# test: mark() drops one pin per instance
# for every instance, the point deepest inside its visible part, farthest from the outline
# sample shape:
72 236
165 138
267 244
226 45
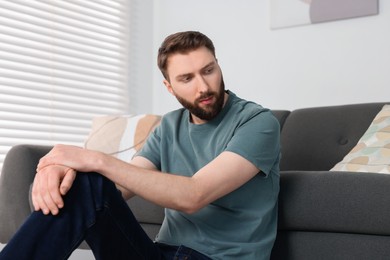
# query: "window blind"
61 64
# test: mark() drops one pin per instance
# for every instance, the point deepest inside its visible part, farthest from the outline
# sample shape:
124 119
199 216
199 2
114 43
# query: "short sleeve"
258 140
151 148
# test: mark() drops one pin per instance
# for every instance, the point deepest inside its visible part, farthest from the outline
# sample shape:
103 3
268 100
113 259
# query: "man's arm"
224 174
139 162
221 176
54 181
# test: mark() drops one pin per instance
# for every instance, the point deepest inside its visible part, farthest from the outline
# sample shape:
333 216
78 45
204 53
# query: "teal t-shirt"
242 224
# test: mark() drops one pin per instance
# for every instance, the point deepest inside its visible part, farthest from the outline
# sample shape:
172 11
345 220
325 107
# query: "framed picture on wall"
288 13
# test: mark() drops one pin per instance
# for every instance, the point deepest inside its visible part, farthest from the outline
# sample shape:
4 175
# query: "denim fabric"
95 211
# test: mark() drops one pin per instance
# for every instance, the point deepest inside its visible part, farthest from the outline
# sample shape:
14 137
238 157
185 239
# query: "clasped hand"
50 184
56 172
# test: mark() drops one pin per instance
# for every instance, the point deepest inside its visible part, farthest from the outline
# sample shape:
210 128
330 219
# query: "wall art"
288 13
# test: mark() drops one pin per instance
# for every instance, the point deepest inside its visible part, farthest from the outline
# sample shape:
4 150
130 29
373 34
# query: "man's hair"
181 42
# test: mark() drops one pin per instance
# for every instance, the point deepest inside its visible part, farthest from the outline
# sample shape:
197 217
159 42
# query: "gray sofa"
322 214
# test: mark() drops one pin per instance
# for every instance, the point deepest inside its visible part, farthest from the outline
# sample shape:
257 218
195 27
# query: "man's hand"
74 157
50 184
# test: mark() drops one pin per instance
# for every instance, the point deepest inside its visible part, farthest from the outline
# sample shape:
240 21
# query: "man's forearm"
126 194
164 189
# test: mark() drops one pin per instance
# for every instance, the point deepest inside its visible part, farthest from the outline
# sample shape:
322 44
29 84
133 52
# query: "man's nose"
202 84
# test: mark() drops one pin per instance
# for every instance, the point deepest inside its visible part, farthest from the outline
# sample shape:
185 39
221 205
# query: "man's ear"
168 86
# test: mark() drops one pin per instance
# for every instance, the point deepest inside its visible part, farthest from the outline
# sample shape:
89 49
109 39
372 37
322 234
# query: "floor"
77 255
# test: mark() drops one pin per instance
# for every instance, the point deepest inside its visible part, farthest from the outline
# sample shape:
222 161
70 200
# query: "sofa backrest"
317 138
281 115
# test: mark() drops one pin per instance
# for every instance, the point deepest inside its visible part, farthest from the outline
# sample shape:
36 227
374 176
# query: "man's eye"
185 79
209 70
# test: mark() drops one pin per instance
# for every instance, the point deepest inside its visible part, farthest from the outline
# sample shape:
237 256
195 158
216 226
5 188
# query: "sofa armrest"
347 202
18 173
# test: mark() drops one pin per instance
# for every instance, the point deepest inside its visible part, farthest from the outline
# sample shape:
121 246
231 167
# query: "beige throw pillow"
372 152
121 136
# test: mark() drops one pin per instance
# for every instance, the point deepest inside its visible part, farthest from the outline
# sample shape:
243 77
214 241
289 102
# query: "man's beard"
209 112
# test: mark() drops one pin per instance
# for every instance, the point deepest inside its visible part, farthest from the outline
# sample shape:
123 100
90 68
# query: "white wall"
337 62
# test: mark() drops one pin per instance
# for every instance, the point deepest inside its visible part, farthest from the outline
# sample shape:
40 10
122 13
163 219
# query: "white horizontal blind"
61 64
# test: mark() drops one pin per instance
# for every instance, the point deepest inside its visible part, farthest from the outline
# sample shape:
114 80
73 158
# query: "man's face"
196 81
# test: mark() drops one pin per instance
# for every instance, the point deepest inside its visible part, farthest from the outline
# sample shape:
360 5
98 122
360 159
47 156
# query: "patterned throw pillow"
372 152
120 136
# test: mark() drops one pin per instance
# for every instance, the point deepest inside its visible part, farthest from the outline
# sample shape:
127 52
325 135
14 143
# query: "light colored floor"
77 255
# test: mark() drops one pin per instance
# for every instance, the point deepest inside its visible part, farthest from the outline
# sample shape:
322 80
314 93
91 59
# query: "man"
213 165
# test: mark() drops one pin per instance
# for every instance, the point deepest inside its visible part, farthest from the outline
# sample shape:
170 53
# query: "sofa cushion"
344 202
120 136
301 245
372 152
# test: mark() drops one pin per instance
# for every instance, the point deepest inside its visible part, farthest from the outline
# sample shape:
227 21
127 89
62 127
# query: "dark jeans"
96 212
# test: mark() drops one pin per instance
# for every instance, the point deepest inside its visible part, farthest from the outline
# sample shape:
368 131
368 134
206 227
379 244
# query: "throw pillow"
120 136
372 152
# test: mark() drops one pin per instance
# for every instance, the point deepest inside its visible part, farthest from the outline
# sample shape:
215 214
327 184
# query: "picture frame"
289 13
